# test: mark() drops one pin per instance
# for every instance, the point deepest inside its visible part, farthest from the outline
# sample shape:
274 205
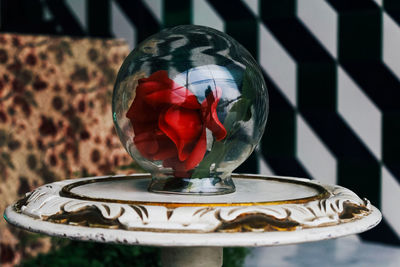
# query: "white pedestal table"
192 229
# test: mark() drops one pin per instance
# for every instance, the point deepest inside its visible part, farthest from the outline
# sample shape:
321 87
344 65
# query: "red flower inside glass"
170 124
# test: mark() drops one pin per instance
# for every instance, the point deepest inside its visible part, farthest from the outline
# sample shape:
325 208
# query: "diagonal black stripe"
354 5
297 40
98 13
377 81
391 143
236 10
355 163
141 17
316 82
177 12
271 9
65 18
392 7
382 232
24 16
360 33
287 167
240 23
383 89
279 140
290 31
250 165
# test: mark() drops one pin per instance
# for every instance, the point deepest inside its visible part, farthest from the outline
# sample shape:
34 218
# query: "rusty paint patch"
89 216
169 213
351 210
254 222
20 203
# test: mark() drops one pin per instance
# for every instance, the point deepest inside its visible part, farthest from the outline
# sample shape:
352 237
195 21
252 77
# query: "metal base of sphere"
192 186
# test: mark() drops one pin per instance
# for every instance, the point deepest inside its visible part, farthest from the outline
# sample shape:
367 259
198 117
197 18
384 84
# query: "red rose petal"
155 146
178 166
209 106
139 111
146 144
198 152
170 124
168 148
183 126
158 76
181 168
144 127
155 82
148 87
178 95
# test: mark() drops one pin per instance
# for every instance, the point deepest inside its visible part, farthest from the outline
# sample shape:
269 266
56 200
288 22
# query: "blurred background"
332 69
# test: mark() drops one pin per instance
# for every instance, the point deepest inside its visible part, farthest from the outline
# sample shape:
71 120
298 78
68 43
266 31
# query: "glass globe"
190 105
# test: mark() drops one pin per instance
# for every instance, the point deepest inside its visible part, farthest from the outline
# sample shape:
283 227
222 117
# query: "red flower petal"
178 166
175 95
155 146
170 124
167 148
140 111
146 144
182 168
158 76
212 122
149 87
183 126
198 152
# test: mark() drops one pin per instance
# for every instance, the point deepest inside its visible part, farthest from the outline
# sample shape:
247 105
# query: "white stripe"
390 199
322 20
279 65
379 2
264 168
314 155
391 44
121 27
360 113
205 15
156 7
78 7
253 5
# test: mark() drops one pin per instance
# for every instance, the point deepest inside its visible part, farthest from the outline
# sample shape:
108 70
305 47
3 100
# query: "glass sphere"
190 105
